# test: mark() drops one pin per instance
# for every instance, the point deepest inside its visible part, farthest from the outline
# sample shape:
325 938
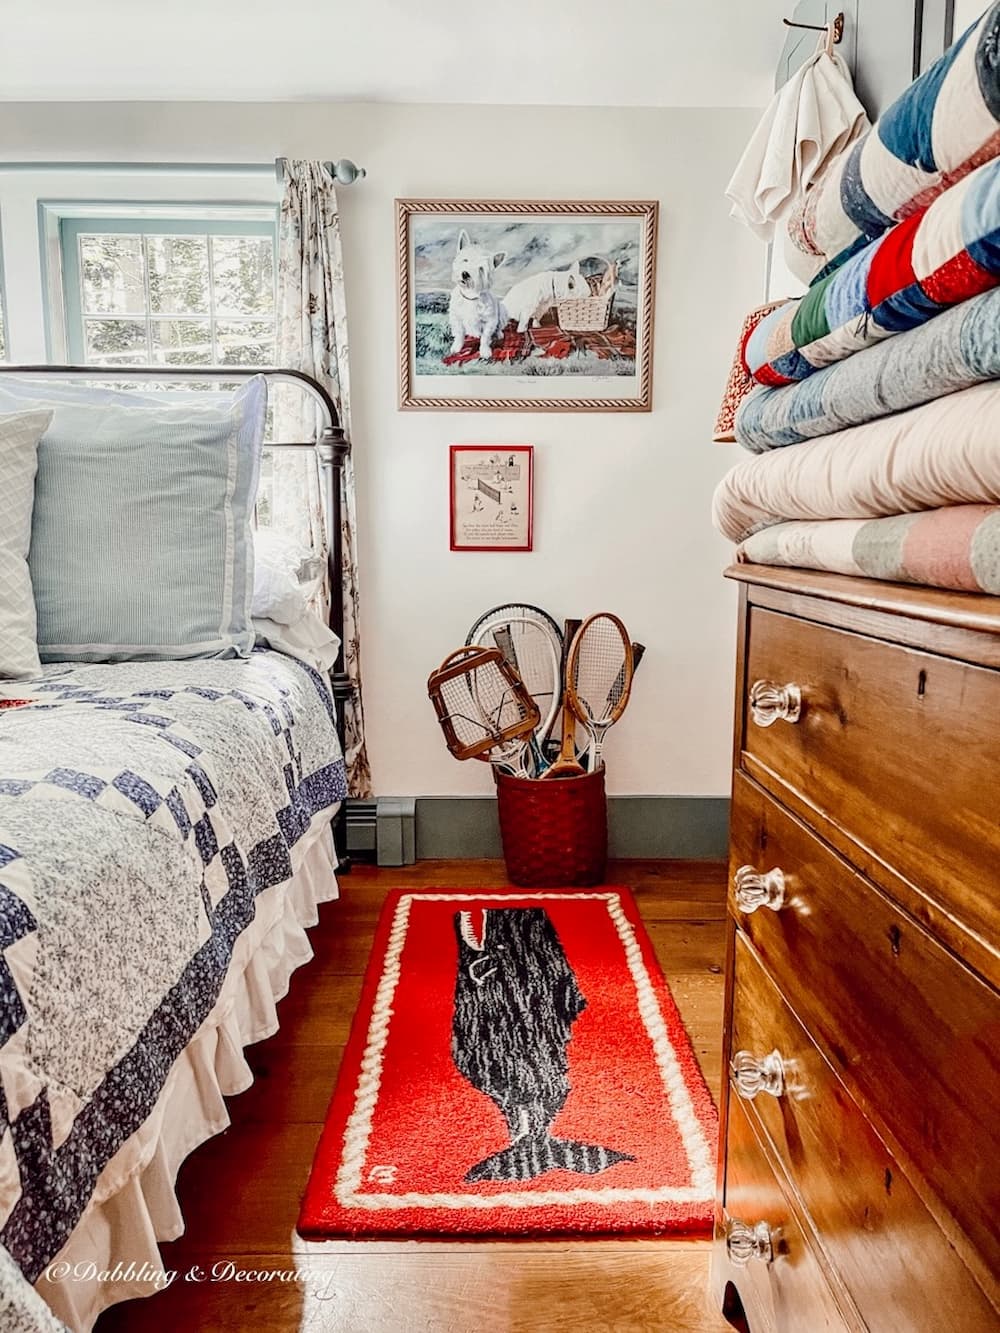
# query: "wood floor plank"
241 1191
293 1083
509 1292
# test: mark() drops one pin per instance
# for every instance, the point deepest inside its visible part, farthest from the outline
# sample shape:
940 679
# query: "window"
3 315
176 287
169 290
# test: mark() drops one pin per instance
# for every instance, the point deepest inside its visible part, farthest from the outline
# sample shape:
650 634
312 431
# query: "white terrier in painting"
534 296
474 311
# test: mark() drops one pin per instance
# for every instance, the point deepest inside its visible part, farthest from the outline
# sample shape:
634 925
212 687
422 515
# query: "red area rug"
517 1066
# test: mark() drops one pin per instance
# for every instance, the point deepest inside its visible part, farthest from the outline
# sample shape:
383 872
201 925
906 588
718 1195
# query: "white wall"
622 500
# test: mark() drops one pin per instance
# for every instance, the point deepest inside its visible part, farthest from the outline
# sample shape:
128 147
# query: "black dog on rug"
516 1000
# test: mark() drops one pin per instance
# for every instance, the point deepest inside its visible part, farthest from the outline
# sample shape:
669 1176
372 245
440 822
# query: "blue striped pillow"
141 531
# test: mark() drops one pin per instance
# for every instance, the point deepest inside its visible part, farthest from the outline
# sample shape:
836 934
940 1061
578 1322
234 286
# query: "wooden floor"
240 1192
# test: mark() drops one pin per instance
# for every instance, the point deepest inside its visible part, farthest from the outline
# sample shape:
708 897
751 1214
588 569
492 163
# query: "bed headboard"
331 448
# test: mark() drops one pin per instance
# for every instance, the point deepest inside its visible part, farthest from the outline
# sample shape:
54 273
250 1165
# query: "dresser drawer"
789 1294
913 1033
898 748
877 1234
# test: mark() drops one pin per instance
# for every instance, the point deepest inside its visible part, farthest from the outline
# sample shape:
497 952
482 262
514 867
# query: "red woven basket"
554 833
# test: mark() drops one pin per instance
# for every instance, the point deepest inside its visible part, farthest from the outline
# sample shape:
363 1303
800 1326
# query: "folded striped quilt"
945 125
959 348
957 548
937 258
944 453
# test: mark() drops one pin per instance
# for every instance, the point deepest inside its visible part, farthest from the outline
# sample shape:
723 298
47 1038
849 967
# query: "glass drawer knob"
745 1242
755 889
771 703
752 1074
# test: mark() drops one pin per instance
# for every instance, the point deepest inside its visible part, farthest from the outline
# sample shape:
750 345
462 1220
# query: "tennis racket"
484 709
638 653
599 672
567 764
531 643
502 615
527 646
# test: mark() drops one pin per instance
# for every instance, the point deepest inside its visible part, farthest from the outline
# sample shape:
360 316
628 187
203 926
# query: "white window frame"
4 325
52 214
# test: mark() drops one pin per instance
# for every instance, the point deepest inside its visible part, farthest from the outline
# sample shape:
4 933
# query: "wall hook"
837 25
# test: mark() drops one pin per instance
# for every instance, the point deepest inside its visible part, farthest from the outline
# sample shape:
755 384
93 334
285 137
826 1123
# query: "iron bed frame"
330 447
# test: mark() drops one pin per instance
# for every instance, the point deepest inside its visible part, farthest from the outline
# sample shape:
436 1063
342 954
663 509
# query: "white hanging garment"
811 118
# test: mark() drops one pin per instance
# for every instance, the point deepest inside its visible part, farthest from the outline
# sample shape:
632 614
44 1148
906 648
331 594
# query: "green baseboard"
400 830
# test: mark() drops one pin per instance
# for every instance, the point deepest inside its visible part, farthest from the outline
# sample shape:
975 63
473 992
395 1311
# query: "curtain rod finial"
345 171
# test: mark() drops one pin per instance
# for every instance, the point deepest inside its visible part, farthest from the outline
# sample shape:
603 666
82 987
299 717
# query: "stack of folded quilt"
876 420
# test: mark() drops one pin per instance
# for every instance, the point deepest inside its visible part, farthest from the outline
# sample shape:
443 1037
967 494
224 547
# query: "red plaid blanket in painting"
552 341
513 346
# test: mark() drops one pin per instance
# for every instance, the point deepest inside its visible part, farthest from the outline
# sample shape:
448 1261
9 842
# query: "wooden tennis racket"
483 707
599 671
567 765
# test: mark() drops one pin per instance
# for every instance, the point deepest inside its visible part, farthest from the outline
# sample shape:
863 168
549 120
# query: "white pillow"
284 579
19 436
310 639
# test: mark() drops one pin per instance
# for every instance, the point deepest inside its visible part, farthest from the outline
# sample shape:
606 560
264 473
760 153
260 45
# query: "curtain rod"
343 172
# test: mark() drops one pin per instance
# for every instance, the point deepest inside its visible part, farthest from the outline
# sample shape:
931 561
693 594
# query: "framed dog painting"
516 304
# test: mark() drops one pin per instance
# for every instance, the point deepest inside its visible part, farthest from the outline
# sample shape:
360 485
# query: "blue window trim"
71 228
4 318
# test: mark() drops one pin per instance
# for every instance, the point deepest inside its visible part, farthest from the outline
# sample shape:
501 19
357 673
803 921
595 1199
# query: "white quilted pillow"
19 436
283 578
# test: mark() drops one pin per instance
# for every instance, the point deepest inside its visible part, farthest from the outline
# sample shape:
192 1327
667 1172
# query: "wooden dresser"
859 1173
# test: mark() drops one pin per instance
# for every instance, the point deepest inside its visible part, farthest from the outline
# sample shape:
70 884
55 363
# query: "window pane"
111 275
243 270
178 274
182 342
264 504
115 342
245 342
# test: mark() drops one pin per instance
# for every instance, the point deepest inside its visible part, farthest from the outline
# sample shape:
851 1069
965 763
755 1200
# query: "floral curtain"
312 336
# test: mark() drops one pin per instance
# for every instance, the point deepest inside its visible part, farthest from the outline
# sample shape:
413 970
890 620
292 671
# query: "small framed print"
491 496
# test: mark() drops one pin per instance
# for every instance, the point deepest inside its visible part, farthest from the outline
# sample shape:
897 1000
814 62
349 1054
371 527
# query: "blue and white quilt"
143 807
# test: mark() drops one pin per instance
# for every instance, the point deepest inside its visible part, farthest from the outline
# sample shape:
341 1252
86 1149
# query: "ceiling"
531 52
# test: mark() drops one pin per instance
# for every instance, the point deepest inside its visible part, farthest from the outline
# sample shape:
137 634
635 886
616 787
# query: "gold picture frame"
526 305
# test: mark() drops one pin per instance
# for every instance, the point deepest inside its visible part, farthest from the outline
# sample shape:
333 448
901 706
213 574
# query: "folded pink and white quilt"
944 453
956 548
942 127
939 257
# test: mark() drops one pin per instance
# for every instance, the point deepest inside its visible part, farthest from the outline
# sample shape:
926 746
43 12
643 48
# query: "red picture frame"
491 497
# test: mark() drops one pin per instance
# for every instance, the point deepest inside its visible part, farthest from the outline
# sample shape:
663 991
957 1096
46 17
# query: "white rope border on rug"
358 1131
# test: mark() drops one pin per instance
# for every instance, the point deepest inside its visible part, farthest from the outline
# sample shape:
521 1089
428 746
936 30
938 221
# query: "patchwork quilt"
143 807
939 257
956 548
959 348
942 127
943 453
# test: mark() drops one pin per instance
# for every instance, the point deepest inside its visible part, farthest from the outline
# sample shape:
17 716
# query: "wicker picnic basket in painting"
590 314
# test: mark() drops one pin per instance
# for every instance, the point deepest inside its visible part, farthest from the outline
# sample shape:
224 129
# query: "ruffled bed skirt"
134 1205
